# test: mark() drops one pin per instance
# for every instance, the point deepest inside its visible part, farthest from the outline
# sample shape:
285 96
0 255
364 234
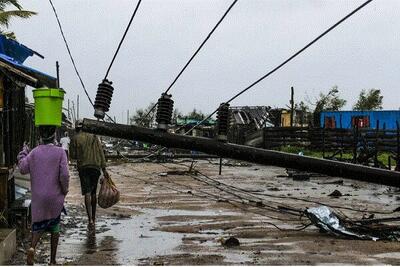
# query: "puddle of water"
392 255
124 241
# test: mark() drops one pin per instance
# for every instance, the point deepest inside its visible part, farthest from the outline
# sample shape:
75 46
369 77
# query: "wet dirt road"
175 218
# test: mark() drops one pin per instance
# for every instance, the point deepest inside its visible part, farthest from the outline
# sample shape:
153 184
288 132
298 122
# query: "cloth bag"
108 194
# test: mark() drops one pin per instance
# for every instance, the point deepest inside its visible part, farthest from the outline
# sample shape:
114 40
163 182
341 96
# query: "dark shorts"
89 179
51 225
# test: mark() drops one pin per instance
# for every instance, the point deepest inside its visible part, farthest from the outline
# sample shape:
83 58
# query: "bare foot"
30 256
91 226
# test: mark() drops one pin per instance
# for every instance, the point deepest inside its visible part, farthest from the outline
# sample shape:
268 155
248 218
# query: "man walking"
65 141
87 150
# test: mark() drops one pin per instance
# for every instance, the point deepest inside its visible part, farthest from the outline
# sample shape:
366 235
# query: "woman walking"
48 168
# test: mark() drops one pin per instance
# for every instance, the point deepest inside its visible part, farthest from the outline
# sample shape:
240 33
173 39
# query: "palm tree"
6 15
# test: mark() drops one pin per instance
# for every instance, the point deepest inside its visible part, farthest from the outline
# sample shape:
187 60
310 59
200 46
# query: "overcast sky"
257 35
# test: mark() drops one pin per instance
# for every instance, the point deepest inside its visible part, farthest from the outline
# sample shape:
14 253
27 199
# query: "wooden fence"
330 139
334 141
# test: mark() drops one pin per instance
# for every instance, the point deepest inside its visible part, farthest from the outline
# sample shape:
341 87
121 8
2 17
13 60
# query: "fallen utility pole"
172 156
246 153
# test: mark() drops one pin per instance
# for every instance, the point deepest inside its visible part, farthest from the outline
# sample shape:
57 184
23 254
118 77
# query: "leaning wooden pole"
239 152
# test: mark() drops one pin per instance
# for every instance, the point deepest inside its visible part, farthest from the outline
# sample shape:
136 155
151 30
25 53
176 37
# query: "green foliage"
150 120
328 102
175 115
139 117
305 116
369 100
196 115
7 15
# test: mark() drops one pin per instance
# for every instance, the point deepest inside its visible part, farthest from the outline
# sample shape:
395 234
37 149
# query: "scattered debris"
396 209
274 189
330 222
301 176
336 193
338 182
230 242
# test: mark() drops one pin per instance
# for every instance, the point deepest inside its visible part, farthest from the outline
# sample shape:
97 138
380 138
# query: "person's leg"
94 180
54 243
88 205
30 257
94 204
85 187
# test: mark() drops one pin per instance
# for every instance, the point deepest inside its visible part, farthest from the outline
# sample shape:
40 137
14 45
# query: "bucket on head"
48 106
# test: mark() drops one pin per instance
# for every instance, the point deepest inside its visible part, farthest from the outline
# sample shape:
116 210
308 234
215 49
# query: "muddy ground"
168 217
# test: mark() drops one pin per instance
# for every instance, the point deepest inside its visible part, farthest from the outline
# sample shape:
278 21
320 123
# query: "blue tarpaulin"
14 50
14 54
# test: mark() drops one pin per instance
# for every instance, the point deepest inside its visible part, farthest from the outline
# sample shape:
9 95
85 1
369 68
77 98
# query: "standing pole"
323 141
77 107
220 166
341 139
127 117
355 140
73 112
376 144
291 106
58 74
69 114
398 147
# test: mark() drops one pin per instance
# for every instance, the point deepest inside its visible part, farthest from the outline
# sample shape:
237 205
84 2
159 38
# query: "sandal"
30 256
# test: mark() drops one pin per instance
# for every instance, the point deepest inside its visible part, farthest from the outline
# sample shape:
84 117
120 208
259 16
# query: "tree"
305 115
139 117
7 15
150 120
196 115
369 100
328 102
176 115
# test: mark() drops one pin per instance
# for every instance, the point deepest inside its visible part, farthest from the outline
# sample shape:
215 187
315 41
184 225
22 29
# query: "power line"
123 38
72 58
69 53
289 59
193 56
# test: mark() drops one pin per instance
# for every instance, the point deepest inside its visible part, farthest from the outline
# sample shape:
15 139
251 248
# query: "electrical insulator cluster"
103 99
165 107
223 122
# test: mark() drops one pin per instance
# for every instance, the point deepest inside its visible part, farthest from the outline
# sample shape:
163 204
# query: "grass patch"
382 156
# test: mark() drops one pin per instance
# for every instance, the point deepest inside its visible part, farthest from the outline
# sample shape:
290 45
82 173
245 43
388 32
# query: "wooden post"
127 117
323 141
73 112
355 140
398 147
69 113
291 106
376 144
3 196
220 166
58 74
77 107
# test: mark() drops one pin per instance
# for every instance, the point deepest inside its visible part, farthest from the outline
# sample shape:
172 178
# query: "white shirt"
65 142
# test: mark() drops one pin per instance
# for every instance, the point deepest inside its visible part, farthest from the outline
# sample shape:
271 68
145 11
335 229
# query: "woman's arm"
23 160
64 173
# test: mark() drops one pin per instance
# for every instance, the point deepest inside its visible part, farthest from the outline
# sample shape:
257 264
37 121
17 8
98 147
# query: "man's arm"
102 157
64 174
73 148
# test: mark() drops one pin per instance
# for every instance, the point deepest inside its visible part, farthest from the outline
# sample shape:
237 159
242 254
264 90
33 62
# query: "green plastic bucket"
48 106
